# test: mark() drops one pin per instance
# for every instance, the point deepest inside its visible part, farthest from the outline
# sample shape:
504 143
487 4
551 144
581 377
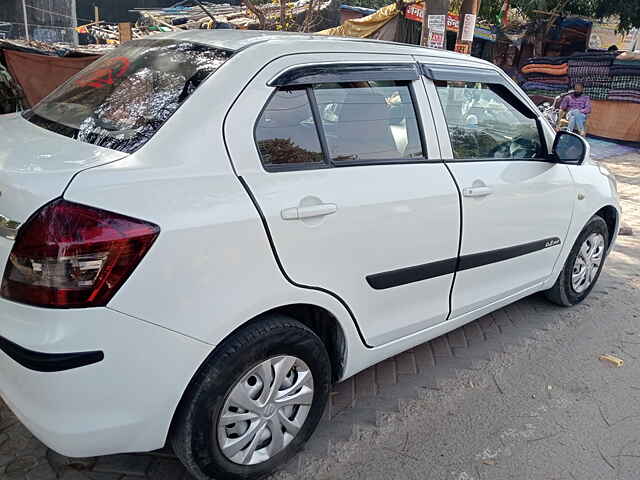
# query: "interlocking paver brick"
473 332
165 469
488 326
42 472
366 383
386 373
133 465
457 339
343 396
502 320
424 357
441 348
406 363
103 476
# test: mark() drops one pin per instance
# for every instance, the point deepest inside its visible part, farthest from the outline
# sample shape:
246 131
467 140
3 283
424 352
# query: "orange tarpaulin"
39 75
616 120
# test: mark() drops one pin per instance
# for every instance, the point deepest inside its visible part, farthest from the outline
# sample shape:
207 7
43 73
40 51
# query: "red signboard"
415 12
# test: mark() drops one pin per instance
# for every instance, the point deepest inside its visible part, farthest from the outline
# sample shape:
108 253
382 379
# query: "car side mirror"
569 148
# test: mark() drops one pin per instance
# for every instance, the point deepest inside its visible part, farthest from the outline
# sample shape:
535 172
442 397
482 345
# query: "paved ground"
517 394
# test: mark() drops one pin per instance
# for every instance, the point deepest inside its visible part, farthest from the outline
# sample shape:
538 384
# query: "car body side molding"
406 275
48 362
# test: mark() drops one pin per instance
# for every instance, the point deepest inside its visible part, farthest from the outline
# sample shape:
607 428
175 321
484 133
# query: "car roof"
236 40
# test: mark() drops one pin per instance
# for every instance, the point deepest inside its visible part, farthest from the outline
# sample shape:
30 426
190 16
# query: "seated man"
576 106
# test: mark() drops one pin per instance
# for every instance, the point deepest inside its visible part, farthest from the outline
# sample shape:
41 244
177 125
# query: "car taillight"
71 256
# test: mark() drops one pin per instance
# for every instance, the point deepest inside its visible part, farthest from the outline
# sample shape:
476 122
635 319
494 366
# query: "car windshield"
121 100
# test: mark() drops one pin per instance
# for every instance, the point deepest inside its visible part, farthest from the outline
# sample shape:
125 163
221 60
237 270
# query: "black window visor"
491 78
340 73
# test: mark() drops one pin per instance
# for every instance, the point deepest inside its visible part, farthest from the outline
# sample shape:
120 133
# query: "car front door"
516 202
350 185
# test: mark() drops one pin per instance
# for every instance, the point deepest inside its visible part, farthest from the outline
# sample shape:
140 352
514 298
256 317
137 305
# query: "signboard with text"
435 39
415 12
603 35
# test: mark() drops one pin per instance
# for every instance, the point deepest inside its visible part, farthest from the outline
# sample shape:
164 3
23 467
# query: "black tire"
193 430
562 292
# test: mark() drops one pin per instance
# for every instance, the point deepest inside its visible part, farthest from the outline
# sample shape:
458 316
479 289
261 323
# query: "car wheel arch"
611 216
320 320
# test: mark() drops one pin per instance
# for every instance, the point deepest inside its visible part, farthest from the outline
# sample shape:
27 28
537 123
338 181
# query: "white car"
202 231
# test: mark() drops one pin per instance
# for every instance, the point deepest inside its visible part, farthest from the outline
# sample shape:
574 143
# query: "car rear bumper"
95 381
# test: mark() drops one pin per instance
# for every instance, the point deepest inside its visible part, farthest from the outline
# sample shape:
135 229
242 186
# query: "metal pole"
74 22
205 10
431 8
26 23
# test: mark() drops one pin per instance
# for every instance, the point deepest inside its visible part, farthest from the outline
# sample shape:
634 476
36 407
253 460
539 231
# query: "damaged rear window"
121 100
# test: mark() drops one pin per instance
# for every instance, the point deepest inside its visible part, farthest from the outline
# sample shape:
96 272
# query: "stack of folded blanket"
625 88
605 76
546 76
593 70
625 67
546 69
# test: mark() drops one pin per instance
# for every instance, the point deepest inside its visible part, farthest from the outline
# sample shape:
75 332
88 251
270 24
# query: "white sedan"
202 231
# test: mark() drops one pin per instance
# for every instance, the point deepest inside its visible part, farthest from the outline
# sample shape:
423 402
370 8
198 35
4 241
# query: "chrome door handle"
309 211
476 191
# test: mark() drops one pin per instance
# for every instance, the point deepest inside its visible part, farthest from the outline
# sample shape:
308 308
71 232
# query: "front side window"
485 122
121 100
373 120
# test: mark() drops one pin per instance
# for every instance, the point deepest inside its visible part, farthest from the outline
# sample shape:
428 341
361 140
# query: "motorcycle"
551 111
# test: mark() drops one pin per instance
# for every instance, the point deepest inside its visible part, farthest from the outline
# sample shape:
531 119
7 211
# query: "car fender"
595 190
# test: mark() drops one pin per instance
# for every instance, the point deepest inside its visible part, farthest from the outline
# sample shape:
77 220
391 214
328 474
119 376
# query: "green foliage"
377 4
627 10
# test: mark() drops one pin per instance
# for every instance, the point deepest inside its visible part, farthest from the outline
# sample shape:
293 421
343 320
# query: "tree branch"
262 19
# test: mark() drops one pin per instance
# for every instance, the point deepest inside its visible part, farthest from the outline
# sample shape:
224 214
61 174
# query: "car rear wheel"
254 402
583 266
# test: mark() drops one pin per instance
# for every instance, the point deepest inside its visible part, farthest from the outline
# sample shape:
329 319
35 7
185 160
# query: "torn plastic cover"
122 100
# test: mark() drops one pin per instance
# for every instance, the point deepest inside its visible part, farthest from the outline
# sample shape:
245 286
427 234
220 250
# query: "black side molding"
403 276
485 258
48 362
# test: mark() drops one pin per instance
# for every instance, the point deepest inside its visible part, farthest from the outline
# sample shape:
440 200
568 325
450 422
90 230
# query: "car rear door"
350 186
517 203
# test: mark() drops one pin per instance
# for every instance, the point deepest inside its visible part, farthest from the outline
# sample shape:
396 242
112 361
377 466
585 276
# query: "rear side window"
286 133
339 124
369 121
486 122
121 100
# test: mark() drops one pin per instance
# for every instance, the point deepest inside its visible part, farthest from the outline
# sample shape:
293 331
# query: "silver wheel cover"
265 410
587 263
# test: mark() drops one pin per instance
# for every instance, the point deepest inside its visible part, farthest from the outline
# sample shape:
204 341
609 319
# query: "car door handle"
477 191
309 211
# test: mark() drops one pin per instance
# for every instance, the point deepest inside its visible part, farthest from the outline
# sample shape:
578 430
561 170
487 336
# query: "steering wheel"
519 147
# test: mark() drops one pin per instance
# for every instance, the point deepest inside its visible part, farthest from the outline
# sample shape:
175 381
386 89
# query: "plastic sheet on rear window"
122 100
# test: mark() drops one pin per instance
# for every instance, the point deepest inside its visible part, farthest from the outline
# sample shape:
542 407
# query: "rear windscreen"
121 100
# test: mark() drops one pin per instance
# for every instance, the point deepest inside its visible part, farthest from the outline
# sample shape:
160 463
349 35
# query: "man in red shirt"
576 106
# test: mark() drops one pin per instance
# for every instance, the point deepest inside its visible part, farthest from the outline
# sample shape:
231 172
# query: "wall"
48 20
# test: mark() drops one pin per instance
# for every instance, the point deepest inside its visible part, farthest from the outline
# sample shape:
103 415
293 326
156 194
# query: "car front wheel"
583 266
254 402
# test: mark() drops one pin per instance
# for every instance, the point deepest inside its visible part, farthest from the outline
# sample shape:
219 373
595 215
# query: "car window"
121 100
484 122
373 120
286 132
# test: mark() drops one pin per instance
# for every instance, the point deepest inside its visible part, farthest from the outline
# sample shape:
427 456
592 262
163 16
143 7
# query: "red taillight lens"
71 256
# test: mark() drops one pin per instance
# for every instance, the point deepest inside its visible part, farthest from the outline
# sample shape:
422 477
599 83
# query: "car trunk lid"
36 165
